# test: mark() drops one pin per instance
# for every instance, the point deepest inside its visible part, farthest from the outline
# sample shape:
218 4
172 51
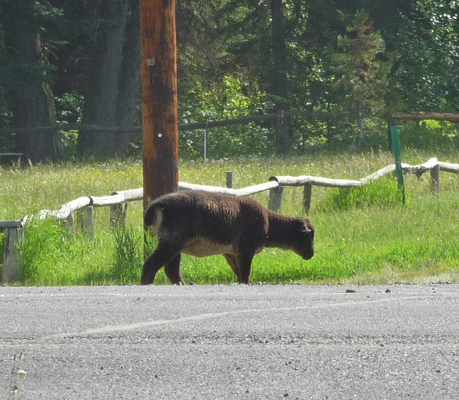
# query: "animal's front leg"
244 262
164 253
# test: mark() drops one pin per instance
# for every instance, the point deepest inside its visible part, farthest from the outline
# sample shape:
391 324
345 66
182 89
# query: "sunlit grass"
362 235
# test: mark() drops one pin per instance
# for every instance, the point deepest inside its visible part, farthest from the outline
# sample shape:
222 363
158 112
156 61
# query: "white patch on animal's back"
204 247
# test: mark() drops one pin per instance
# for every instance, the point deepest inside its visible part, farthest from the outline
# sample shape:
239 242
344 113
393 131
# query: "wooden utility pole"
159 98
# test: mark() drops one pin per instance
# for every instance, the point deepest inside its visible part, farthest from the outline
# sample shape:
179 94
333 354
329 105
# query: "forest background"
338 69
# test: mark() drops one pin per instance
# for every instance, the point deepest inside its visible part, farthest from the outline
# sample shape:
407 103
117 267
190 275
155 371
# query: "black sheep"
205 224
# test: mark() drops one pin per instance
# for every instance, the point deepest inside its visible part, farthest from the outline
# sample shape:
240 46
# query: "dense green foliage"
360 60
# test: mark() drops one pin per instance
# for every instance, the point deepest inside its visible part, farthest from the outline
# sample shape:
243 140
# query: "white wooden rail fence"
84 206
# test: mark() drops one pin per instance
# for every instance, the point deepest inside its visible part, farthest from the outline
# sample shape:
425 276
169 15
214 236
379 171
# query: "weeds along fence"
118 203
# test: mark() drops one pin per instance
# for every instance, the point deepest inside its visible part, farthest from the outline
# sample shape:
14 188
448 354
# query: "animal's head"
303 244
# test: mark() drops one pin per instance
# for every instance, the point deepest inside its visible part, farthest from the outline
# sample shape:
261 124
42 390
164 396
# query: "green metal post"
398 157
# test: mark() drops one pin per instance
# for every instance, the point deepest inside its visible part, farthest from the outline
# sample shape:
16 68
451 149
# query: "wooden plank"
107 200
238 121
118 198
83 202
431 163
232 192
421 116
306 179
11 154
418 170
339 183
256 189
67 209
379 174
207 188
453 168
291 180
130 195
422 168
11 224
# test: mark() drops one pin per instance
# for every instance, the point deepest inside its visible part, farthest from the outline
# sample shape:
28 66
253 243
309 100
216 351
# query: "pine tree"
361 69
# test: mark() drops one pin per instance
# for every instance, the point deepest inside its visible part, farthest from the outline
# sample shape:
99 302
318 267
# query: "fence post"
70 223
14 234
275 198
118 215
398 157
206 138
229 179
85 219
435 179
307 196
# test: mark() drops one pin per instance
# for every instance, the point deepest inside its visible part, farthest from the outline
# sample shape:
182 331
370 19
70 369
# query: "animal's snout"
305 254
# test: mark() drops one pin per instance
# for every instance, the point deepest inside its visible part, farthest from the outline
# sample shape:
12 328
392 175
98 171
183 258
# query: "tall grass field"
363 235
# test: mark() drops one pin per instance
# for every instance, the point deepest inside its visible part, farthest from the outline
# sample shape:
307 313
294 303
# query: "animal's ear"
304 228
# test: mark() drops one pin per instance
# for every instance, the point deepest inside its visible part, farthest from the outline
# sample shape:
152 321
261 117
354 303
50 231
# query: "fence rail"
182 127
118 201
422 116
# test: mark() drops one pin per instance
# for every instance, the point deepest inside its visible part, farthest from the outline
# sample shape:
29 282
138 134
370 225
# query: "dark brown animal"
204 224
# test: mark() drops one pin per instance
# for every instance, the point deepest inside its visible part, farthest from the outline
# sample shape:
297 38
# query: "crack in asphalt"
207 316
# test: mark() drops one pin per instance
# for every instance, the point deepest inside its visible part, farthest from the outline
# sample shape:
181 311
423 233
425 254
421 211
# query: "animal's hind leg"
163 254
233 264
172 270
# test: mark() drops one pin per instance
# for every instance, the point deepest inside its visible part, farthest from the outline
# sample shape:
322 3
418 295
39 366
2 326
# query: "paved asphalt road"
232 342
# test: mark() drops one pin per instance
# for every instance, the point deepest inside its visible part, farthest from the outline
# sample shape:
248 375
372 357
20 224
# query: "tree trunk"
34 106
101 104
359 126
129 84
280 81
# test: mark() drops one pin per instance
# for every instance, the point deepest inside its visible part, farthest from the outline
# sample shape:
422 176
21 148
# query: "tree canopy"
336 69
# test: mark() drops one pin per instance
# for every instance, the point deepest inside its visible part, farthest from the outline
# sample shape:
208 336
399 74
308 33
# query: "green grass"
382 192
363 235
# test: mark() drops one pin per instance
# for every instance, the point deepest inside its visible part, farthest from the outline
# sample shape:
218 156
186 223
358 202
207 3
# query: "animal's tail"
150 215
